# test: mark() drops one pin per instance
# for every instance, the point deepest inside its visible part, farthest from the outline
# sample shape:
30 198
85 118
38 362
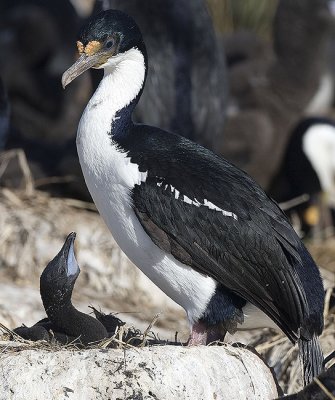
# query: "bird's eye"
109 43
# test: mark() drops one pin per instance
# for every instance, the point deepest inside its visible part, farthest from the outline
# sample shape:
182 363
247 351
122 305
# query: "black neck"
67 320
59 308
123 123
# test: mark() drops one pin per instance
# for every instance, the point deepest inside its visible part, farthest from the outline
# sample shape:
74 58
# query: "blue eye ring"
110 43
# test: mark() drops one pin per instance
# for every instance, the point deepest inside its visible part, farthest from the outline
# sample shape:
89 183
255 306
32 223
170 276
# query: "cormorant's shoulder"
195 169
151 147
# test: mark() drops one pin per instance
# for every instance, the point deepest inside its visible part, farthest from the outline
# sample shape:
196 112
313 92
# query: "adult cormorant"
200 228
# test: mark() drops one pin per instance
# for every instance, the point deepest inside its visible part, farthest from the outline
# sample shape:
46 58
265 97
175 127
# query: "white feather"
212 206
319 147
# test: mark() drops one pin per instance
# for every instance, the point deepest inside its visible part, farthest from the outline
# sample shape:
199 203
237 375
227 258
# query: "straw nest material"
32 230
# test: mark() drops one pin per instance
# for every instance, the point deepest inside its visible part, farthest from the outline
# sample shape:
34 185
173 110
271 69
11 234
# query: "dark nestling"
64 323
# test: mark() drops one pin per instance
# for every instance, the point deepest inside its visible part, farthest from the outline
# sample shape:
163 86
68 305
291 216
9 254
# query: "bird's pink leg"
198 334
201 334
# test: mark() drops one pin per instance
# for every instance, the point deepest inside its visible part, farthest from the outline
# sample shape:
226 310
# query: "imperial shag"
200 228
64 320
309 168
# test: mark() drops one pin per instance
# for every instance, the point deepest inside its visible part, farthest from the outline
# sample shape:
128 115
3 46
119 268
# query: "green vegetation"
254 15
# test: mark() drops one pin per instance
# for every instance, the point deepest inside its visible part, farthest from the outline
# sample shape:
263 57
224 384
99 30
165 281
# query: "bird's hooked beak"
63 267
83 63
93 55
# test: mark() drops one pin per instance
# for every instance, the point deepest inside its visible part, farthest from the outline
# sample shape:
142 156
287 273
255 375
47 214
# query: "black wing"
246 243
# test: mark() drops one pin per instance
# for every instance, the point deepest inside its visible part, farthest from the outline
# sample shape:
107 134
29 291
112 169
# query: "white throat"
123 79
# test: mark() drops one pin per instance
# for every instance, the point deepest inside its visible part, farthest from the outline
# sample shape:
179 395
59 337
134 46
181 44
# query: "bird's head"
103 41
61 273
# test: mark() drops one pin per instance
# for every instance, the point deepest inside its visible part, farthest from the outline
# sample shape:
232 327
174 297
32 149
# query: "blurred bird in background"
308 169
273 83
236 77
35 37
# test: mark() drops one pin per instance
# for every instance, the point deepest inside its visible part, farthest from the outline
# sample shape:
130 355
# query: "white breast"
110 176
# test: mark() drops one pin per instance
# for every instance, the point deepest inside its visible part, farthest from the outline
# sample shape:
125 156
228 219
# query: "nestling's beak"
71 264
83 63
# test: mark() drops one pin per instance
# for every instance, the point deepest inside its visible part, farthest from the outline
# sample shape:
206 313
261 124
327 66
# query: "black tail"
312 358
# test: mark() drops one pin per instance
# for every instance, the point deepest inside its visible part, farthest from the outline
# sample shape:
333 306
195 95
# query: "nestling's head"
61 273
104 38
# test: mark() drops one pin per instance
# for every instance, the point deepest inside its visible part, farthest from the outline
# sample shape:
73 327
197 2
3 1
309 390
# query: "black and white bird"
198 227
308 168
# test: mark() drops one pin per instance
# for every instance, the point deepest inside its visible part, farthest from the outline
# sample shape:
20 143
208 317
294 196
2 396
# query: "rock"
160 372
19 305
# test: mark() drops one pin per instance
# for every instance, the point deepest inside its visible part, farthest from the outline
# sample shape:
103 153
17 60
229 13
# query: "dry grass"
283 357
324 253
253 15
124 337
324 389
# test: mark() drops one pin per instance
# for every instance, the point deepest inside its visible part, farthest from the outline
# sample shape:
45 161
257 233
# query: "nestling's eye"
109 43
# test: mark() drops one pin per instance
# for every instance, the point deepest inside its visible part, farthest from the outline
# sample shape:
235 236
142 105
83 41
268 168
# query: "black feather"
258 256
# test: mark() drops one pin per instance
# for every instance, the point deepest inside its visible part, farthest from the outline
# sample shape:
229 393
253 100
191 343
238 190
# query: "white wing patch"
175 191
143 176
196 202
216 208
187 200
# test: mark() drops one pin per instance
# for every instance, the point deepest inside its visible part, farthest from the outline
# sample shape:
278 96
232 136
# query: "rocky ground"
32 230
159 372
